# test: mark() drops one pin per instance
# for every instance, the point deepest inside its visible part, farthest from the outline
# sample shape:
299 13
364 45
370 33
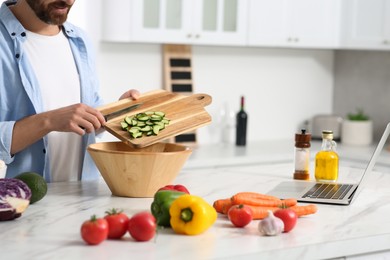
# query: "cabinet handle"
296 40
289 39
197 36
385 42
189 35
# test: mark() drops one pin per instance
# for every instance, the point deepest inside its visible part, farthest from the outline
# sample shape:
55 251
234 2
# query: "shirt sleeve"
6 130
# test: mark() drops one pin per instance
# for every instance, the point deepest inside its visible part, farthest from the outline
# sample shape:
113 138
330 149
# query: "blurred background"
292 60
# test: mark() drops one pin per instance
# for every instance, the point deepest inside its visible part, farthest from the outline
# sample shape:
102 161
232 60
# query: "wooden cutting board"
186 113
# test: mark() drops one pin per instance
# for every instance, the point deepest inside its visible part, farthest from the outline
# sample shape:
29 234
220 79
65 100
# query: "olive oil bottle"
327 160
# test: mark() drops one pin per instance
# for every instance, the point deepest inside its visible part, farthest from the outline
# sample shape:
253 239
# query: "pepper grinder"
302 155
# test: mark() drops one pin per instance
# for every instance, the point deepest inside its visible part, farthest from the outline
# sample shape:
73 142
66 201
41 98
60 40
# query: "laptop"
328 193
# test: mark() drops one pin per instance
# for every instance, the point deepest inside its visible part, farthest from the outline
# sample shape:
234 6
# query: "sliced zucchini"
128 120
124 125
147 123
161 124
159 113
143 118
155 118
134 130
156 129
146 128
136 135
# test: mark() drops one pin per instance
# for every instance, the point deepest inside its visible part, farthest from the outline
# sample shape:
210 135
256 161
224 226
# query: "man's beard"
46 13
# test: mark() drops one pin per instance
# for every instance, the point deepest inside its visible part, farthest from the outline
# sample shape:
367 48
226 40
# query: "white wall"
283 87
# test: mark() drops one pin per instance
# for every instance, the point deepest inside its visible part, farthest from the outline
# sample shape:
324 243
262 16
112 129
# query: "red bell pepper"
176 187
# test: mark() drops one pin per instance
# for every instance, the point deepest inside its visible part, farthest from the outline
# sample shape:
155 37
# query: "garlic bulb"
271 225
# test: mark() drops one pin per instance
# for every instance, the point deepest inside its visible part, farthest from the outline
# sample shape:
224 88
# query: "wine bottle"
241 124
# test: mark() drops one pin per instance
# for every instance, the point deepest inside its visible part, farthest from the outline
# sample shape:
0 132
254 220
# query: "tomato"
240 215
289 218
94 231
117 223
177 187
142 226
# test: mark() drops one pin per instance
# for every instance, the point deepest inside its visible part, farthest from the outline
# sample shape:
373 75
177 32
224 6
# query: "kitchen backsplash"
362 80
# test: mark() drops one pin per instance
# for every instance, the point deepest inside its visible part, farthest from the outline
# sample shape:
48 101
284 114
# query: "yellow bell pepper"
191 215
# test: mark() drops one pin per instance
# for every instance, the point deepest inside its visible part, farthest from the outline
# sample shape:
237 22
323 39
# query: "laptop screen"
373 159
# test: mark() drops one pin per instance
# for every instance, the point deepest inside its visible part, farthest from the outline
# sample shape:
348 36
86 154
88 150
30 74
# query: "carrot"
280 204
226 208
252 195
222 205
304 210
253 198
259 212
286 203
263 200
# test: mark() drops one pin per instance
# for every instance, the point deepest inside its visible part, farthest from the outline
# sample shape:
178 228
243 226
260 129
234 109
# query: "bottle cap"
327 134
302 140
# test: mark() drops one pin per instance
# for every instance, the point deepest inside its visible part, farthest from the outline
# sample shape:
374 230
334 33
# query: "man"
48 92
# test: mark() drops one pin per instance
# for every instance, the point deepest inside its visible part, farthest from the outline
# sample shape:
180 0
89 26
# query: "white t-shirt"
52 60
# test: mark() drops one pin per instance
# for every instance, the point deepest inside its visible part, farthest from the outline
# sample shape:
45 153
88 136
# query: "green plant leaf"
358 116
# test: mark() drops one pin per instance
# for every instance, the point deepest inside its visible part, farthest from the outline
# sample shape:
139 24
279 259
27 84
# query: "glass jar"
327 160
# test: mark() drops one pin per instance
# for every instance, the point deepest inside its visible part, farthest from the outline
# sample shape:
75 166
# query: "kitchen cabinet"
213 22
366 24
299 23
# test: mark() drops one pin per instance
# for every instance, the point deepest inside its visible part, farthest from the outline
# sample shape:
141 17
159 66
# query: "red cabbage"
14 198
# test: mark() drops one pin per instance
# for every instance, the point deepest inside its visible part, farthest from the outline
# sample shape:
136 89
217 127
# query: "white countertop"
49 229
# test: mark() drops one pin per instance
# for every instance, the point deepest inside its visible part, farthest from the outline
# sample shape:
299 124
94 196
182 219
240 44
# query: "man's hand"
78 118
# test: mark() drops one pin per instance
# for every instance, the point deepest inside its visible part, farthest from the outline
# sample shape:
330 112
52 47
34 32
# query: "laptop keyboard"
328 191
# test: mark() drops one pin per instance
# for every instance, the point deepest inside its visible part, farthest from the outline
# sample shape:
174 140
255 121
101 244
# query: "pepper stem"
186 214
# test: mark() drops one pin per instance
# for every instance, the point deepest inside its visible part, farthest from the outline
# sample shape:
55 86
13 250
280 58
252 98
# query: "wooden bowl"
138 172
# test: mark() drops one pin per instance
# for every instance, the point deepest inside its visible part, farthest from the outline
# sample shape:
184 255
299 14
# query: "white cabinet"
366 24
219 22
298 23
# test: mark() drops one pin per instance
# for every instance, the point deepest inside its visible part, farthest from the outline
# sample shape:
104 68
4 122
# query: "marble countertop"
49 229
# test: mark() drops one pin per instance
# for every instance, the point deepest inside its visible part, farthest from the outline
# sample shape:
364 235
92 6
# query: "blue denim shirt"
20 95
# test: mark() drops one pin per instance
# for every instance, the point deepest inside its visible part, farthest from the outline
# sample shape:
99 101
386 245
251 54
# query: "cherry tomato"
289 218
142 226
117 223
240 215
94 231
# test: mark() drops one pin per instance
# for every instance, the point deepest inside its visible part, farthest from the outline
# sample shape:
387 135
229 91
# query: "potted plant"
357 129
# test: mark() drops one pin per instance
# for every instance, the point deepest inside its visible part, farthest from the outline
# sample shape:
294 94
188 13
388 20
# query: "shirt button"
17 55
13 34
23 34
44 150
